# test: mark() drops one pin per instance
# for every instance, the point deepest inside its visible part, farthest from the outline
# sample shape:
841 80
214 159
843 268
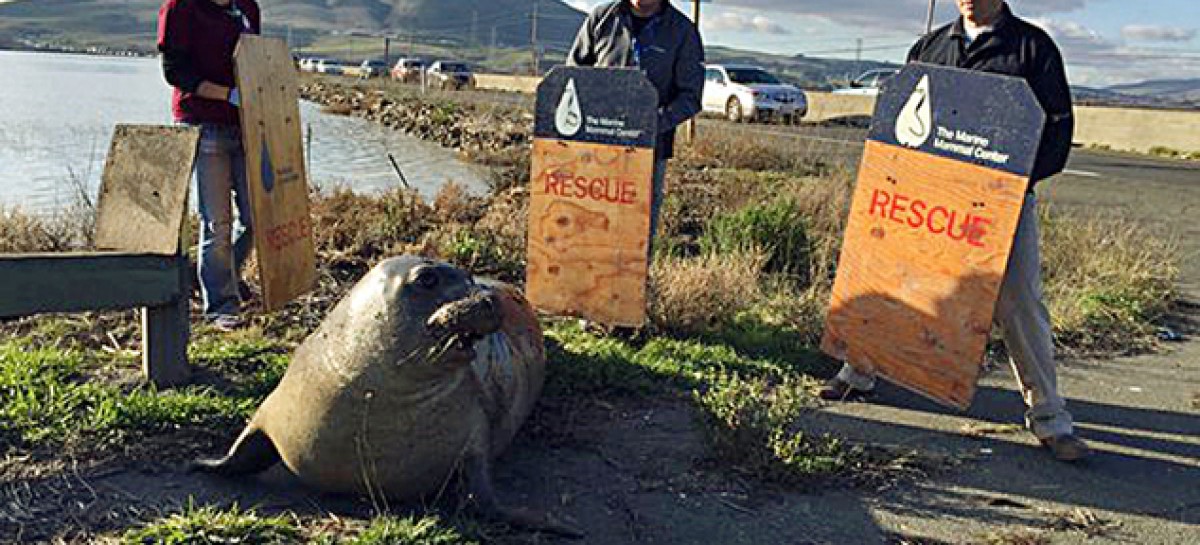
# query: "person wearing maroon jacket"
196 39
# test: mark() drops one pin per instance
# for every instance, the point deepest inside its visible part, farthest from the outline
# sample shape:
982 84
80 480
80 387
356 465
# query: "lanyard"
236 13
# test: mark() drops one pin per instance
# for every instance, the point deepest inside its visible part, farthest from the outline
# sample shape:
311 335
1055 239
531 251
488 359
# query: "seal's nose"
476 315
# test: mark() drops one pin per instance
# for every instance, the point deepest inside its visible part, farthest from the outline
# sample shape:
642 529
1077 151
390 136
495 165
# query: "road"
845 143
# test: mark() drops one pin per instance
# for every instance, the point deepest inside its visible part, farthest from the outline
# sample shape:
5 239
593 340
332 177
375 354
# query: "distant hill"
1181 90
464 28
131 23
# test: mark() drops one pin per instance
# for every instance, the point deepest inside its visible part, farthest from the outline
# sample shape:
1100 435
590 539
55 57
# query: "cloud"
1155 33
736 22
893 14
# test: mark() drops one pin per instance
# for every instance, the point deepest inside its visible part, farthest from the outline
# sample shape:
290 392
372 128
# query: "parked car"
449 75
868 83
408 70
331 66
748 93
372 68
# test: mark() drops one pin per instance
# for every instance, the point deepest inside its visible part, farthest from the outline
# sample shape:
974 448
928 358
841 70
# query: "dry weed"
691 295
1108 280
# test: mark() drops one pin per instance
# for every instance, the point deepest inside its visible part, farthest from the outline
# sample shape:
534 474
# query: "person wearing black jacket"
989 38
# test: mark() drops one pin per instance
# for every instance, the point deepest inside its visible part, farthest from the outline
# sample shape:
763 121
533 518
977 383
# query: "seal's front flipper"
253 452
483 501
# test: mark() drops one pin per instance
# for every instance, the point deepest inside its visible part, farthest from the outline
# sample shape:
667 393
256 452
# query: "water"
58 111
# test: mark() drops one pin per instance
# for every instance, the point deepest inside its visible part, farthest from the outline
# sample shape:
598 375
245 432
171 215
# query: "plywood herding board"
144 189
914 295
278 183
589 226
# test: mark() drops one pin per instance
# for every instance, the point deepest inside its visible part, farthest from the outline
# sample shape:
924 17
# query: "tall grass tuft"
1108 281
694 295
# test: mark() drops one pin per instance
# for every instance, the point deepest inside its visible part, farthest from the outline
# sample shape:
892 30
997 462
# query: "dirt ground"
635 471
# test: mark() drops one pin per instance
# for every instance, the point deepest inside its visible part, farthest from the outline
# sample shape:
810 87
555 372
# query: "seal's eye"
426 279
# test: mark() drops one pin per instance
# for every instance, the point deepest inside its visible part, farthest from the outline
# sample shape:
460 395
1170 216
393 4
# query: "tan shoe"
1067 448
836 389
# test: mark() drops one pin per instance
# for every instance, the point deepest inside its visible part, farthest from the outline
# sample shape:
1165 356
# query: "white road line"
1082 173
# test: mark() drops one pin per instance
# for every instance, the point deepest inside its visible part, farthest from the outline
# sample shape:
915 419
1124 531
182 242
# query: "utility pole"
929 17
492 50
534 40
858 57
474 22
387 52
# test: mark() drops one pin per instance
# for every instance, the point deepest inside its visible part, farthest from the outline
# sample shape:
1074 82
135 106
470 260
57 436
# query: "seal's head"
439 306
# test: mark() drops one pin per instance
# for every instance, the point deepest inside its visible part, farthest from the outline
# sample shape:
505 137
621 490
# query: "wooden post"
165 335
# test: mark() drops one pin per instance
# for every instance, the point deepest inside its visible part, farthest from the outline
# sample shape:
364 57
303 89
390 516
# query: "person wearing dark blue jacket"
656 38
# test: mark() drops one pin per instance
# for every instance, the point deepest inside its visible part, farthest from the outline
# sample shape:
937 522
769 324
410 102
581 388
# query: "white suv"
747 93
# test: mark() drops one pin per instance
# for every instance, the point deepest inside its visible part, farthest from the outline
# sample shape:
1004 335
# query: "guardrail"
1127 129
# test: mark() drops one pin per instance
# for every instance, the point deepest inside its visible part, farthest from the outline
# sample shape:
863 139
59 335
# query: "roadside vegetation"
744 263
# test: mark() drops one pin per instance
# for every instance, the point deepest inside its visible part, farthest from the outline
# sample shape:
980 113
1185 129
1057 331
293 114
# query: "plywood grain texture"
271 135
143 193
589 227
917 283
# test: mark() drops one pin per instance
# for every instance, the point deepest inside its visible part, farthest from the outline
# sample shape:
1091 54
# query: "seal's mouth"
458 324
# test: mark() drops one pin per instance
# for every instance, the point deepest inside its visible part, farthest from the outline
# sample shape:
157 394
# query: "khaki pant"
1025 324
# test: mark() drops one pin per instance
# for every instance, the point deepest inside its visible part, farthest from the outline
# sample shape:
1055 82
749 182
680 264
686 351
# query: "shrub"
777 228
750 424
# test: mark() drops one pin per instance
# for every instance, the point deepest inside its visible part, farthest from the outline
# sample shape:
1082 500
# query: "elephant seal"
420 372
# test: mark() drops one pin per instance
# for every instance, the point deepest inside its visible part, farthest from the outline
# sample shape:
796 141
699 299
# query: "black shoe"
1066 448
836 389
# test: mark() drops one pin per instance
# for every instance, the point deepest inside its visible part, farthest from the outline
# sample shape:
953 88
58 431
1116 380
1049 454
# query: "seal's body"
418 372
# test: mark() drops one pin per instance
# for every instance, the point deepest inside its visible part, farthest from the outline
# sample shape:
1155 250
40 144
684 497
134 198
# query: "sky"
1104 42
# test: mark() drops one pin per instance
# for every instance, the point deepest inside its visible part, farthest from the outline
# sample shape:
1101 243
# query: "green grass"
409 531
211 525
208 525
752 424
46 399
585 363
778 228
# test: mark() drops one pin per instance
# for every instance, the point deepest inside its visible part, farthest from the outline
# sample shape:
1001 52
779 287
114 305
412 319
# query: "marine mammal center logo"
915 123
568 118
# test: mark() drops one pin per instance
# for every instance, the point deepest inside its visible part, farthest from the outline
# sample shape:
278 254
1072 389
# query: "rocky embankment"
493 135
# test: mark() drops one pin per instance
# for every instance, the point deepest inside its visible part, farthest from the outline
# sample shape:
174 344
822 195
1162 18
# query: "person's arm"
689 83
582 52
1048 78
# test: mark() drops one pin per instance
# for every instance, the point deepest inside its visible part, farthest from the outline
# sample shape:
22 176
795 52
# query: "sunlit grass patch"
753 425
45 402
208 525
427 530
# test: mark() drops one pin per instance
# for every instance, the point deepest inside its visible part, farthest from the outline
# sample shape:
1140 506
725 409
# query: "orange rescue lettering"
600 189
935 219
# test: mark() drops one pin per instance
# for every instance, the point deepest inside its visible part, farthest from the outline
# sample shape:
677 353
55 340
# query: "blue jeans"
220 175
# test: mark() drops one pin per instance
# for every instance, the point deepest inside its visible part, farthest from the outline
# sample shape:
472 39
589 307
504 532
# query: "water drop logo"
568 119
266 168
915 123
